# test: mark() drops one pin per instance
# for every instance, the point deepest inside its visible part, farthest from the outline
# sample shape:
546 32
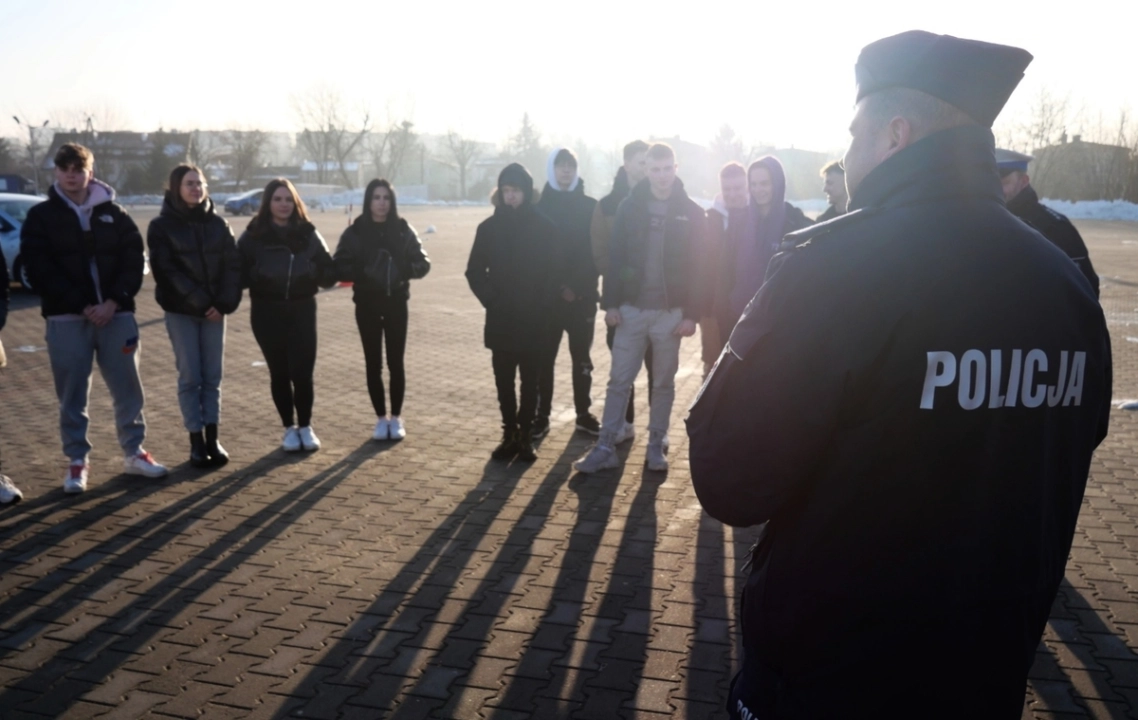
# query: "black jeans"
578 320
383 320
507 366
286 332
630 412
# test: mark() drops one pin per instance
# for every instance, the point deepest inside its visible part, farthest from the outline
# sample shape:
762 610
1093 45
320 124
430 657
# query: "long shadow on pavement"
388 645
122 635
1090 667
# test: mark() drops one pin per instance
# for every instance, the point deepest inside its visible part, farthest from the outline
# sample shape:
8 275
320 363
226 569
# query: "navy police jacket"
910 404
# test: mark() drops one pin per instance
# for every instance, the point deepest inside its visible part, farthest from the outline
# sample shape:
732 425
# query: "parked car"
13 209
247 203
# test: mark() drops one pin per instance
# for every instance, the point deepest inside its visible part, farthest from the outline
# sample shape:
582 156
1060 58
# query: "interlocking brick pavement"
420 579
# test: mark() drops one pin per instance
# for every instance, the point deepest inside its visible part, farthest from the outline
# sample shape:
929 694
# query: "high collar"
958 162
1024 201
186 214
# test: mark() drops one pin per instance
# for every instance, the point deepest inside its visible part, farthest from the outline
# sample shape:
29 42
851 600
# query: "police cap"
1008 161
975 77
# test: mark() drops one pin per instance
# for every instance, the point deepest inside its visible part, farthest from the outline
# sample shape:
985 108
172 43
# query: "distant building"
129 161
1079 170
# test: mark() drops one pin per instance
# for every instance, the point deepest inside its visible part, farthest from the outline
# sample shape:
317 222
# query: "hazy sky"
604 71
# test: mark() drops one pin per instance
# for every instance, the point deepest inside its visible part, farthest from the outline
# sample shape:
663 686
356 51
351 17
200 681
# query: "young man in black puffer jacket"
512 271
567 206
83 254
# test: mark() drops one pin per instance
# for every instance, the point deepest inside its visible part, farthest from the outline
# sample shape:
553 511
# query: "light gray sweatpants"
639 328
73 345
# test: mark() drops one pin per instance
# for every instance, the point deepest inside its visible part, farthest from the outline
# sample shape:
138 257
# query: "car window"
18 209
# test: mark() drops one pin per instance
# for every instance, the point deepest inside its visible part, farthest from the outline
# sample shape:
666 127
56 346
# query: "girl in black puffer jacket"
197 272
380 254
284 263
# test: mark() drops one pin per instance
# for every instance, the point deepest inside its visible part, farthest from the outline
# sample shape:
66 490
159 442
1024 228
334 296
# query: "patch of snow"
430 230
1096 209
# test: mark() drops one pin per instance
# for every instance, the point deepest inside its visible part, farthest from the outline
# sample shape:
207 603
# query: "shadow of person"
56 684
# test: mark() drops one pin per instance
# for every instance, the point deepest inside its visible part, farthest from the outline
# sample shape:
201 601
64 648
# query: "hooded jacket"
194 259
911 403
1056 228
684 228
571 212
59 253
289 265
512 270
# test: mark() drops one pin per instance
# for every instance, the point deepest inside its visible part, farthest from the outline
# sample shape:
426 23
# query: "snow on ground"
1096 209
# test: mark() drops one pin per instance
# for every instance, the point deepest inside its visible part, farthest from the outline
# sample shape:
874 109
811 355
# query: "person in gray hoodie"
83 254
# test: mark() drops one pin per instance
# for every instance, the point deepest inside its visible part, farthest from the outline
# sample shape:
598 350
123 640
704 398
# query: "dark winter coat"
1056 228
722 237
513 272
911 403
194 258
684 229
572 214
380 261
57 255
603 218
289 266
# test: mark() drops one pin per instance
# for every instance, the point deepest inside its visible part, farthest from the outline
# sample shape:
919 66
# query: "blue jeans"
73 346
199 351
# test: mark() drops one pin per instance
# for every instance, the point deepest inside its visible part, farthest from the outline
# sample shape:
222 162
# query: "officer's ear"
899 133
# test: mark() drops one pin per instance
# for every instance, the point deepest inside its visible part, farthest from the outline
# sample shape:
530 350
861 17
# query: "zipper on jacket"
389 261
288 278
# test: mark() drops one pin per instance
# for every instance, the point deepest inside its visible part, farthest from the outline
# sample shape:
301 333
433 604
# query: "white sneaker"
76 480
9 493
308 438
626 433
655 457
600 457
291 441
396 429
143 463
380 432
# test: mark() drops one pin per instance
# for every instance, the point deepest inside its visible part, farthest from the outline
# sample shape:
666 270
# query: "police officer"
910 404
1024 203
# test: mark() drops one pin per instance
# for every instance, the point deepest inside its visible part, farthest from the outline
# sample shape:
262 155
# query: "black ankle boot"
526 453
198 456
216 453
509 445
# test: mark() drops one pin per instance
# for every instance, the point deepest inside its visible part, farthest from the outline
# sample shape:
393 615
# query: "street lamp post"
32 148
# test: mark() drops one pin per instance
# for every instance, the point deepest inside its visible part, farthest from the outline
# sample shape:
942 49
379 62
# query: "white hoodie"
551 173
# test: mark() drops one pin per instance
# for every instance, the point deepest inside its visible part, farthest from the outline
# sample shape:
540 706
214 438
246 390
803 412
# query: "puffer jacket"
380 261
58 255
289 265
194 258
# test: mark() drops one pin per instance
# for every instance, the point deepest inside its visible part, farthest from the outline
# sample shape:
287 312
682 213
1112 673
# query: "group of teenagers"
84 256
666 265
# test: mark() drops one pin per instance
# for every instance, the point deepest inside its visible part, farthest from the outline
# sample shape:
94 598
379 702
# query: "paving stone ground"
420 579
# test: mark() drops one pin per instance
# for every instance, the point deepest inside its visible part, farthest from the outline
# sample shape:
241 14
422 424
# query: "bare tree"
9 160
403 141
525 146
327 134
246 153
464 151
206 150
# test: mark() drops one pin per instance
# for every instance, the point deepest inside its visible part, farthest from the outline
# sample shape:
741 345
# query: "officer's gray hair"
925 113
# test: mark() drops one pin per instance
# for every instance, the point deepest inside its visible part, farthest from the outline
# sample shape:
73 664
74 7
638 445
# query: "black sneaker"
509 445
589 423
540 428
